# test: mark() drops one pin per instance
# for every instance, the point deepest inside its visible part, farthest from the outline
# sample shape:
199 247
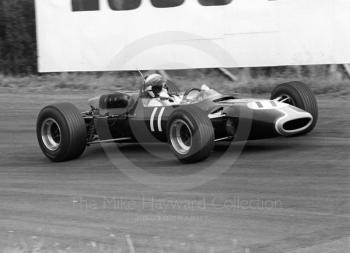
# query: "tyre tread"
75 124
304 96
205 131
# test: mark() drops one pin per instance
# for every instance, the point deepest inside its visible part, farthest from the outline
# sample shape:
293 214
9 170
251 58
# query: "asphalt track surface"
280 195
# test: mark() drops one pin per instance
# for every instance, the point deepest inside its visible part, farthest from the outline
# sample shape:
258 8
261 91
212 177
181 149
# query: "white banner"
108 35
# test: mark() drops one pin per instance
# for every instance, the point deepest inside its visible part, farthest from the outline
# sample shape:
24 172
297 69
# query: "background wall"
18 58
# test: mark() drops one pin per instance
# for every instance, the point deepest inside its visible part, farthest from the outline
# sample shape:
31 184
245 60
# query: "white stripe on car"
160 119
151 122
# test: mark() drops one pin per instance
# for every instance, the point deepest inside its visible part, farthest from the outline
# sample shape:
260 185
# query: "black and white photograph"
174 126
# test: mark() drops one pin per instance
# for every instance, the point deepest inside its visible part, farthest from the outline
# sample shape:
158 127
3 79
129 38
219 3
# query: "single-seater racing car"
192 125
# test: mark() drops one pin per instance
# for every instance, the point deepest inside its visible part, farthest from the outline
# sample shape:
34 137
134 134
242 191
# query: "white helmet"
155 84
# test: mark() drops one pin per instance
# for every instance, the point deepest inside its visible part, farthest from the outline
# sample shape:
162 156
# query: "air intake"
296 124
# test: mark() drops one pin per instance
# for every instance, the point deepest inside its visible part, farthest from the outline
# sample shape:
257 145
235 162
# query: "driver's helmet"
155 83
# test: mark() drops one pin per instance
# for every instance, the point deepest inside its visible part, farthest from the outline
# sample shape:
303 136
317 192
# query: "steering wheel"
188 91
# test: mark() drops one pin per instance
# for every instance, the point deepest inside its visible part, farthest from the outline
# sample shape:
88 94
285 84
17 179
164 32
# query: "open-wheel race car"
192 125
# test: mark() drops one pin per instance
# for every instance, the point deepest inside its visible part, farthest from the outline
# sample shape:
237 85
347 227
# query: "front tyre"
61 132
190 134
299 95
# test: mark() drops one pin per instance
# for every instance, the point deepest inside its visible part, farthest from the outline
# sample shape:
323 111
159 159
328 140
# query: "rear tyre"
190 134
299 95
61 132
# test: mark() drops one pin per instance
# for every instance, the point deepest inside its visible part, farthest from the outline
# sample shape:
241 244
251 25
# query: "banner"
109 35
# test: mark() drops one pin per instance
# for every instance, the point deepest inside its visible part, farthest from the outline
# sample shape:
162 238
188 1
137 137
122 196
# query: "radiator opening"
296 124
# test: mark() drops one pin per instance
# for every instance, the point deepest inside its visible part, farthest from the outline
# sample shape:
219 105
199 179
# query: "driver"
157 91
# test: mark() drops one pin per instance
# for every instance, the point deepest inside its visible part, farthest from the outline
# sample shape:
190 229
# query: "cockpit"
190 96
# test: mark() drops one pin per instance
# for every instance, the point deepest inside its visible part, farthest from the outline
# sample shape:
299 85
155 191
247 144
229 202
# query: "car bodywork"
126 117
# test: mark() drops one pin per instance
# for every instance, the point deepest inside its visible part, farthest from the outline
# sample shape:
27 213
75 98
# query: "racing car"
191 127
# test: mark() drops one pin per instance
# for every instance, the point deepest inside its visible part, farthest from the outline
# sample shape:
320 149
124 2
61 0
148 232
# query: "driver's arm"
205 87
176 99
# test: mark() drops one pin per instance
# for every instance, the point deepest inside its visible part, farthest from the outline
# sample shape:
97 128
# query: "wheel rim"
51 134
286 99
181 136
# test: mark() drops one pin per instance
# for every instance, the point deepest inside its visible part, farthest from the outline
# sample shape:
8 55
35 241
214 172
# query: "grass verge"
109 82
